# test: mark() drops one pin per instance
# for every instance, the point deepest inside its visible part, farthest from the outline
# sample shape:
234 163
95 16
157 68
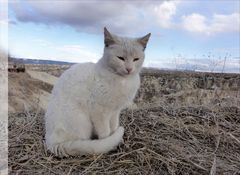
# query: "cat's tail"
82 147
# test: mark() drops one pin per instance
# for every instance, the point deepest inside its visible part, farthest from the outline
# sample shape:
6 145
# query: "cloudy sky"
72 31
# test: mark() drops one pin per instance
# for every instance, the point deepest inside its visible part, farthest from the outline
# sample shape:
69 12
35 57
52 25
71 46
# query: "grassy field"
181 123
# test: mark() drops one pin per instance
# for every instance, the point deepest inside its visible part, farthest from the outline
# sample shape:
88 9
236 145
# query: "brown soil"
24 92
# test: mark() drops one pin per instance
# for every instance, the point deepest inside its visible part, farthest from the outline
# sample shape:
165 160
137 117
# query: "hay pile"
158 140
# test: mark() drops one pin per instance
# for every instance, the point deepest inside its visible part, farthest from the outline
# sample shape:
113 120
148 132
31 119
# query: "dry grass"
185 123
158 140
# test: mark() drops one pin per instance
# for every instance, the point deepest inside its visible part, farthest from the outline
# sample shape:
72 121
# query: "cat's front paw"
120 129
104 134
120 133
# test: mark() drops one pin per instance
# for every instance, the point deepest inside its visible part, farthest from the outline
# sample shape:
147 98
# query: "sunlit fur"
88 98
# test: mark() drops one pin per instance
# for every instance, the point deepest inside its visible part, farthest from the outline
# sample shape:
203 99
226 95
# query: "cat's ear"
144 40
108 39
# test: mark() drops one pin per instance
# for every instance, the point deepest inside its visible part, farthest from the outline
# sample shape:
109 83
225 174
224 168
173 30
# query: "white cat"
88 98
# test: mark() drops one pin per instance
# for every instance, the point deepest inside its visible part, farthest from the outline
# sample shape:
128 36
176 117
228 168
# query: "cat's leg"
114 122
66 123
102 127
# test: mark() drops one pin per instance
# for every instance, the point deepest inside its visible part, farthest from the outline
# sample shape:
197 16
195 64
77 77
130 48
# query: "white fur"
88 99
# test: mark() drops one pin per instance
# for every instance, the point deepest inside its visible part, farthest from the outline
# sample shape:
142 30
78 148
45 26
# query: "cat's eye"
121 58
135 59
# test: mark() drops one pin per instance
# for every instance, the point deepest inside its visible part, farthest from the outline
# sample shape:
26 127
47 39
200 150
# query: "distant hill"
35 61
192 65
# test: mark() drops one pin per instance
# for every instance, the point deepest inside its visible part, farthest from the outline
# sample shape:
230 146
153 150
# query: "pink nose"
129 70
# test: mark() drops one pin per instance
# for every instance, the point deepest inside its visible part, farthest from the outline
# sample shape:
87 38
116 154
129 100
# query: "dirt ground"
182 123
27 92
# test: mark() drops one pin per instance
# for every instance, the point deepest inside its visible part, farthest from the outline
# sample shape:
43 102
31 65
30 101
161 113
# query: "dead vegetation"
158 140
162 136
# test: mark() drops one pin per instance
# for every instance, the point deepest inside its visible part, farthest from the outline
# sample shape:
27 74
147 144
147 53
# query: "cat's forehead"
128 45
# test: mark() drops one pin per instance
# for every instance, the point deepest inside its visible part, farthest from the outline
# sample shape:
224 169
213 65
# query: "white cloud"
218 24
129 18
194 23
164 13
42 42
77 53
72 48
92 16
87 16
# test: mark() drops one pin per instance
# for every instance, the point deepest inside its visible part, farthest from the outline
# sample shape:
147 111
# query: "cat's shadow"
94 137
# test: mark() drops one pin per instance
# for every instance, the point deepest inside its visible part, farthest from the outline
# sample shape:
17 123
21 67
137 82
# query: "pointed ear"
108 39
144 40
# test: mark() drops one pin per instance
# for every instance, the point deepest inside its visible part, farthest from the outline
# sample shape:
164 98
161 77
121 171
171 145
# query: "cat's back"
80 70
75 77
77 73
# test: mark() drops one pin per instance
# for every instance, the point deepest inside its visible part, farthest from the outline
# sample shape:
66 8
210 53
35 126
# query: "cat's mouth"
125 73
122 73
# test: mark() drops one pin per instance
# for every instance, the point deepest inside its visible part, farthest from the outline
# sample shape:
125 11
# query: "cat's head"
124 56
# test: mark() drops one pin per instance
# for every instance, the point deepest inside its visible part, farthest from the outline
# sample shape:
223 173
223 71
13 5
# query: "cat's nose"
129 70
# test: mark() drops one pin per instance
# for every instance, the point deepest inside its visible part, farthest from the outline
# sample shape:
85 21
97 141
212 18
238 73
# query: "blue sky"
182 30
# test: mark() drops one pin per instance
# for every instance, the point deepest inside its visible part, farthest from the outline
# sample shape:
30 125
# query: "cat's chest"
112 92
